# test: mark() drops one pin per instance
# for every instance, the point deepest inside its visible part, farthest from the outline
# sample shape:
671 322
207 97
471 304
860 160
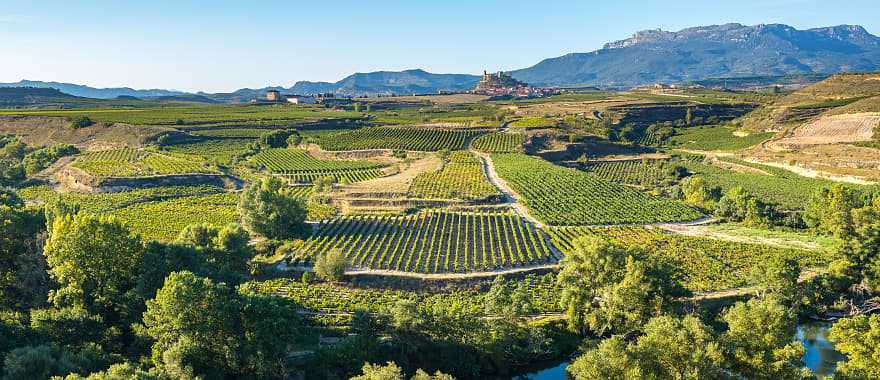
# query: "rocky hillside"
731 50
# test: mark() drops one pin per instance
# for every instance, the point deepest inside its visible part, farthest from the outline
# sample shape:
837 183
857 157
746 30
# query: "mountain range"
730 50
650 56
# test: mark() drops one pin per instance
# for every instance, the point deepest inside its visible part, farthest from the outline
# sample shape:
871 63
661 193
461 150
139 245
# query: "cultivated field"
432 242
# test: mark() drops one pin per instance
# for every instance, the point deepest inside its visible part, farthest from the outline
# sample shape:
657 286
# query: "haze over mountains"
651 56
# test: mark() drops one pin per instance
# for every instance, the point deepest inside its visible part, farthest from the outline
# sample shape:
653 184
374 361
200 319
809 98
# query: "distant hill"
405 82
391 82
91 92
731 50
29 96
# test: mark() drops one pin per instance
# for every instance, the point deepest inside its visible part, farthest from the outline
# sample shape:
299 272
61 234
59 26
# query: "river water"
820 356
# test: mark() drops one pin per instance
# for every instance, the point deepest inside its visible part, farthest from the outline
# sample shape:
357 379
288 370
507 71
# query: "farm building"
300 99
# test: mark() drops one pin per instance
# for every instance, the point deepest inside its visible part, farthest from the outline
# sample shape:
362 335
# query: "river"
820 356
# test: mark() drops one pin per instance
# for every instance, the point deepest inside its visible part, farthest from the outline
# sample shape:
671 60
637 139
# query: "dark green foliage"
67 326
45 361
18 161
40 159
859 339
279 138
225 250
331 265
267 208
23 278
670 348
81 122
609 289
739 206
95 260
202 328
758 342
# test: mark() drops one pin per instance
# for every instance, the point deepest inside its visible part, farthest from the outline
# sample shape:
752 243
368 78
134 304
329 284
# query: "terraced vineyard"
154 213
533 122
631 172
418 139
344 299
461 177
715 137
128 162
231 132
562 196
432 242
297 166
780 186
706 264
218 150
499 143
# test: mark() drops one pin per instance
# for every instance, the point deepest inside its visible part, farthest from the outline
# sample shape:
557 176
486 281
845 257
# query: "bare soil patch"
833 129
49 130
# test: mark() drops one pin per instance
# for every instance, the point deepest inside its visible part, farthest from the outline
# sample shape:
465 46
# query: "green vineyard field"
399 138
461 177
155 213
499 143
780 186
563 196
706 263
432 242
218 150
631 172
327 297
297 166
128 162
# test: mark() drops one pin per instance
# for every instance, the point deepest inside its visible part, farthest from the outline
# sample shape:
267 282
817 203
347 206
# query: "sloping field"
834 129
432 242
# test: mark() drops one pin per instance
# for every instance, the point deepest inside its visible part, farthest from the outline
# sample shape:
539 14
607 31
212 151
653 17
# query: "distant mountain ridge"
729 50
407 82
92 92
651 56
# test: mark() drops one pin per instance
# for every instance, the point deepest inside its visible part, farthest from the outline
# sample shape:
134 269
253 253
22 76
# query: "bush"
268 209
330 266
81 122
278 138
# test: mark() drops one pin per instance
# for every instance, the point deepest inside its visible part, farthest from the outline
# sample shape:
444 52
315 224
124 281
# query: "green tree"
508 300
861 246
759 341
81 122
45 361
670 348
95 260
830 209
67 326
859 339
268 209
203 328
121 371
194 325
389 371
697 192
278 138
777 278
23 279
607 289
739 206
331 265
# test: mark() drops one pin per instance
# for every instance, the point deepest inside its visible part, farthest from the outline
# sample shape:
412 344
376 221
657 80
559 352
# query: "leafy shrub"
81 122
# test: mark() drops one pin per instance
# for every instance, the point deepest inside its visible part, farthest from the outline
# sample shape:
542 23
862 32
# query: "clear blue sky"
225 45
